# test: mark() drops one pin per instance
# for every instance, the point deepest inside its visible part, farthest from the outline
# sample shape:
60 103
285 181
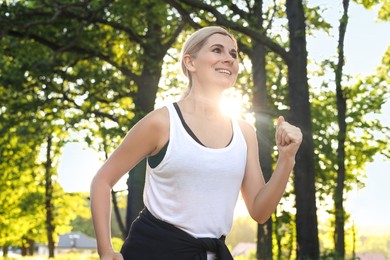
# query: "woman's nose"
228 58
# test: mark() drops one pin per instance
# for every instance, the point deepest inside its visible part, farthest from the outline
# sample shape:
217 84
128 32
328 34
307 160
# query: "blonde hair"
196 41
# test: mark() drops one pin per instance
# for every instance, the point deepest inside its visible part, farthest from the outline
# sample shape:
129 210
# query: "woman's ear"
188 62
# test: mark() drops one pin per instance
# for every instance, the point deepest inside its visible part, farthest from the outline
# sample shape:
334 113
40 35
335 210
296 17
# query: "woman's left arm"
262 198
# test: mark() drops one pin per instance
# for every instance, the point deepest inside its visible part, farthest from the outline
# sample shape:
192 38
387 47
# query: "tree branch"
239 11
186 16
258 36
74 48
174 36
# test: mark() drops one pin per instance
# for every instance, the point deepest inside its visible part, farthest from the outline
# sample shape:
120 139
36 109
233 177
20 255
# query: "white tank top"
194 187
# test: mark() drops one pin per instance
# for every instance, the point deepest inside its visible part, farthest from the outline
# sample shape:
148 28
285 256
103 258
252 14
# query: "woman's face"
216 63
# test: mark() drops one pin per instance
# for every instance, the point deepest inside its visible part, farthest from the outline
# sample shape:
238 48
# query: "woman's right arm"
145 138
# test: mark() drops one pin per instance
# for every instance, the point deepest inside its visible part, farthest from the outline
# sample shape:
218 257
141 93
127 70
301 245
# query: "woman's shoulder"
158 118
247 129
245 126
153 129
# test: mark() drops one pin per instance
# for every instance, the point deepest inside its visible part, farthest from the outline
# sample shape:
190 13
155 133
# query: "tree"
20 152
50 228
341 120
16 183
37 114
304 179
94 44
24 176
284 235
349 101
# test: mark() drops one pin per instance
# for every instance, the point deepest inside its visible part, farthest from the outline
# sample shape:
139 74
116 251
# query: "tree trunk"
146 96
23 248
117 214
263 125
135 186
155 45
48 198
339 235
5 251
27 248
118 217
31 245
304 174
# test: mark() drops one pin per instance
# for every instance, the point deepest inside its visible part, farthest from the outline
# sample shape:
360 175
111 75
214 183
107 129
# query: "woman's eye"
234 55
217 50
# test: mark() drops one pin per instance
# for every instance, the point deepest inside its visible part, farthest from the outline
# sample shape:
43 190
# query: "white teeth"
224 71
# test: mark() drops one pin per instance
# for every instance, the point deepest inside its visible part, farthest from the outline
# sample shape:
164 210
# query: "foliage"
74 68
117 243
284 233
18 189
83 225
83 220
374 244
367 136
378 244
383 10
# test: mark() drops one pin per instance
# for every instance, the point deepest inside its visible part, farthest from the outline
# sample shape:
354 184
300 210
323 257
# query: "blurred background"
76 75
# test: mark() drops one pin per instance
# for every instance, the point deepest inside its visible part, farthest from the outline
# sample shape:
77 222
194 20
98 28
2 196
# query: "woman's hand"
288 138
111 256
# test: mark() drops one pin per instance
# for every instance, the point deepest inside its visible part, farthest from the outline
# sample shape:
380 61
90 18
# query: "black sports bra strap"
186 127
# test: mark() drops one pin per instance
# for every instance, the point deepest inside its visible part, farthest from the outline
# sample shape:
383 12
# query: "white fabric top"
194 187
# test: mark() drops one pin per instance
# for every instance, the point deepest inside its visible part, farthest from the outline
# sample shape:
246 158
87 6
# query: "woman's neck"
209 106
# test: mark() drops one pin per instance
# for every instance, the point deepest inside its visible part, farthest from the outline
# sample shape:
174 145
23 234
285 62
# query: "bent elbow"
260 218
98 184
263 220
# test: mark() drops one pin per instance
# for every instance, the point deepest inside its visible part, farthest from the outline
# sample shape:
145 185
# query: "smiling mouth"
224 71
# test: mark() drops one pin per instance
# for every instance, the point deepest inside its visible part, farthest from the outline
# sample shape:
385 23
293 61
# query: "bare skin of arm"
262 198
146 138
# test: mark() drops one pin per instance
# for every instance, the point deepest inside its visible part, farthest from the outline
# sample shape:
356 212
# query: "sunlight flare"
231 104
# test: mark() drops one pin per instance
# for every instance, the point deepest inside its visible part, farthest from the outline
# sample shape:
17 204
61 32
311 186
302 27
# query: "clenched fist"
288 138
